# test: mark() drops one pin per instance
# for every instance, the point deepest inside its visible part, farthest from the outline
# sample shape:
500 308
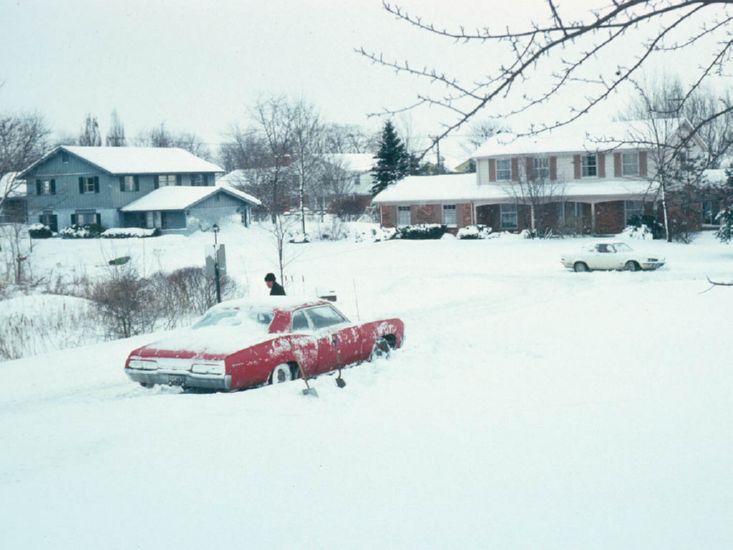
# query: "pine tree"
393 160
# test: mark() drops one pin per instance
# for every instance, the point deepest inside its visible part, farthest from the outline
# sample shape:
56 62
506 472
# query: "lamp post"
215 229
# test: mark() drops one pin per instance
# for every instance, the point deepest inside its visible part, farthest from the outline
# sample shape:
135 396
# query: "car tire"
146 385
280 374
631 265
580 267
380 350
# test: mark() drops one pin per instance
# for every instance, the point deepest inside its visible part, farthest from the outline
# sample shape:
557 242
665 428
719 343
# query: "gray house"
153 187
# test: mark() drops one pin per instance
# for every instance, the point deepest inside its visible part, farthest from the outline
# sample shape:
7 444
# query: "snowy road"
530 408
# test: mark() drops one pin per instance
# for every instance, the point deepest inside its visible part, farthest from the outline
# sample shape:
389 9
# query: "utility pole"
217 279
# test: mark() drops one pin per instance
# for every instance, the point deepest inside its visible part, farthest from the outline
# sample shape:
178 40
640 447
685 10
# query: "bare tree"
161 136
349 138
116 134
308 149
570 49
89 135
534 188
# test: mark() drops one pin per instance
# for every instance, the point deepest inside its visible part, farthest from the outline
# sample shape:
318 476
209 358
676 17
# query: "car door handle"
334 339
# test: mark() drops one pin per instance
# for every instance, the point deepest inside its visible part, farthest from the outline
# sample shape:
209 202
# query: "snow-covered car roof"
283 303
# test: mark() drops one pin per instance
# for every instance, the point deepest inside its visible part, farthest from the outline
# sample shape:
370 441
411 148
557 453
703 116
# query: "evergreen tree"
393 160
116 134
89 134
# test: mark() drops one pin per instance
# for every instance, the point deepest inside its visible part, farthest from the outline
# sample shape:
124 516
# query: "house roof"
579 137
454 188
182 197
12 187
353 162
136 160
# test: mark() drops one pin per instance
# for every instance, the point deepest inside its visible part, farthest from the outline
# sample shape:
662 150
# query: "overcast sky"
198 65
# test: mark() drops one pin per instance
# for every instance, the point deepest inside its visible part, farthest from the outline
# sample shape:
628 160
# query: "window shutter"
73 219
96 184
81 186
122 183
601 165
492 169
515 169
529 167
38 187
98 219
53 187
642 164
137 183
576 166
155 181
617 165
178 179
553 168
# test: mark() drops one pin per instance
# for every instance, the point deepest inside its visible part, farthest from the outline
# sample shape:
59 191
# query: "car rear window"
257 320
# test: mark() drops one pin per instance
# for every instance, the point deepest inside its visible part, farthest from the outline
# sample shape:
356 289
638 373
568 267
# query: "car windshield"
251 320
621 247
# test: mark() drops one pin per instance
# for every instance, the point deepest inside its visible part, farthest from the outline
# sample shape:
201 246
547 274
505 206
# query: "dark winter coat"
277 289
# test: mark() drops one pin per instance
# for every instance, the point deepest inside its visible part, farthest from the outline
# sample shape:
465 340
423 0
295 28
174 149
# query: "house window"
167 179
198 179
129 183
403 215
85 217
503 169
88 184
49 220
589 166
710 210
449 214
153 220
630 164
542 168
632 209
46 187
508 216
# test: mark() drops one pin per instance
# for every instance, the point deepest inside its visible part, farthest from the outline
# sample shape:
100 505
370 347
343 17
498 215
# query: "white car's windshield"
251 320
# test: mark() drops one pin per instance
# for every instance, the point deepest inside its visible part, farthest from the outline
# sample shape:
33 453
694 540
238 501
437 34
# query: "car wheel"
381 350
147 385
631 265
280 374
580 267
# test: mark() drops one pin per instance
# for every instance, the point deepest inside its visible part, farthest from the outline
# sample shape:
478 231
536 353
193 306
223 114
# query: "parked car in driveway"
240 344
611 255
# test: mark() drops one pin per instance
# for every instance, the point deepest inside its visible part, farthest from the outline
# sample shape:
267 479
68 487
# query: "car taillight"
216 367
143 364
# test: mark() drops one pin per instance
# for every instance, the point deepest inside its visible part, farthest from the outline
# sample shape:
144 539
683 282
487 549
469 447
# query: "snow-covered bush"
87 231
634 232
129 232
421 231
652 224
370 232
298 237
474 232
39 231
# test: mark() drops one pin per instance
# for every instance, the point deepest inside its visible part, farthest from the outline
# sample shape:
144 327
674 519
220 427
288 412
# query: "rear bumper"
219 382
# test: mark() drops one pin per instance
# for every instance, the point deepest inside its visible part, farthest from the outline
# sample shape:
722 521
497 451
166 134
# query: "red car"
241 344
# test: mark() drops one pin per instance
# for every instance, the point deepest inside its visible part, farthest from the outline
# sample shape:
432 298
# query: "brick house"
573 180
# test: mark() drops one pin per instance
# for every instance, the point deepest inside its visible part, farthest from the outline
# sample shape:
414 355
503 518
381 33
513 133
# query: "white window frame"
450 215
86 217
46 187
630 168
586 167
401 210
542 168
164 180
508 212
153 219
87 184
506 172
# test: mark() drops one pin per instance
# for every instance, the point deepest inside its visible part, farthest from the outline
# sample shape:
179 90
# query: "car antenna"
356 300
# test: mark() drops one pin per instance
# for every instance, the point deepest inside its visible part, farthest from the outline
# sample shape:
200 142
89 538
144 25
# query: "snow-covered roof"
137 160
12 187
176 197
580 137
353 162
465 188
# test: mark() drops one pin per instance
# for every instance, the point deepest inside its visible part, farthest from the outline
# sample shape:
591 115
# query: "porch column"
593 217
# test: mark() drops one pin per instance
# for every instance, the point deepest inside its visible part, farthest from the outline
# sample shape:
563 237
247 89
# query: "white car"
611 255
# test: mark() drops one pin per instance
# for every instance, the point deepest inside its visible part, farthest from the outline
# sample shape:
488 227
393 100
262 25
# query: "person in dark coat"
275 288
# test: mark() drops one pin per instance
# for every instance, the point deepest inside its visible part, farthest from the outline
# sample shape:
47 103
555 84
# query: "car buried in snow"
242 344
611 255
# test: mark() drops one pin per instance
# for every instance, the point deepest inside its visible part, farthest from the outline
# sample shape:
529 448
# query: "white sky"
198 65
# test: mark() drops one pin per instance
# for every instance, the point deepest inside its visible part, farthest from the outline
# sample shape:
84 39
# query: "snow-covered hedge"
474 232
371 232
39 231
640 232
421 231
129 232
87 231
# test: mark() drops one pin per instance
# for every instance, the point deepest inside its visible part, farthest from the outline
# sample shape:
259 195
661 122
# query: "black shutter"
53 187
178 179
137 183
122 183
38 187
81 186
96 184
156 183
98 219
73 219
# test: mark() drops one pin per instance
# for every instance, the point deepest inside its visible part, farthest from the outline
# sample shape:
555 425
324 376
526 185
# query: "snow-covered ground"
531 407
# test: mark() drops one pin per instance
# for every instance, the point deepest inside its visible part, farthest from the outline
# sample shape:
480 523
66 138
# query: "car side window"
325 316
300 322
602 248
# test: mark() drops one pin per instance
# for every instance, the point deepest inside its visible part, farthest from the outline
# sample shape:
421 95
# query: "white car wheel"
281 373
631 265
580 267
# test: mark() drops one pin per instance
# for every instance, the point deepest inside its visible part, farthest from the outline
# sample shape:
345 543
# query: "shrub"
126 302
129 232
656 228
725 217
421 231
470 232
39 231
87 231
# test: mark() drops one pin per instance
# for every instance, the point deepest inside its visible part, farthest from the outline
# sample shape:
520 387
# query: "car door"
334 335
603 257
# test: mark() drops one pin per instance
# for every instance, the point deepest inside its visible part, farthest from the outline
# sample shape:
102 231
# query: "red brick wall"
426 213
610 217
389 216
464 214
